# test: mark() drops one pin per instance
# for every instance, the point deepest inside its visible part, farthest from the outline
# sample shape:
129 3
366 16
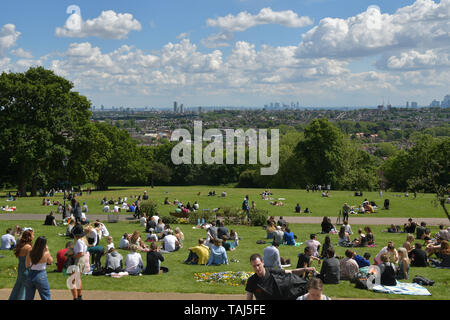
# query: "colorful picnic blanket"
412 289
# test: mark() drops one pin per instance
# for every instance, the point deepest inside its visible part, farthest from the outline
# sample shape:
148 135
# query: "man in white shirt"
313 244
8 241
106 208
171 242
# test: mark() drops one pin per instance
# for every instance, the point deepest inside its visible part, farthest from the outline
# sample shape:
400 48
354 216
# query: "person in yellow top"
198 254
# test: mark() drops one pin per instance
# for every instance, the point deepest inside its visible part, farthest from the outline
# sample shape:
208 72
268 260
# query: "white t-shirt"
124 243
169 242
116 209
109 246
106 209
143 221
105 231
93 235
134 263
7 239
348 229
156 218
80 246
314 245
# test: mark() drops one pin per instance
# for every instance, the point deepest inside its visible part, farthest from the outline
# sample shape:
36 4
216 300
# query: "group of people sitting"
365 237
279 231
213 249
180 207
48 202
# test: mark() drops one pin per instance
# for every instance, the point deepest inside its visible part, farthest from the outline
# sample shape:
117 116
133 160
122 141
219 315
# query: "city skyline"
239 52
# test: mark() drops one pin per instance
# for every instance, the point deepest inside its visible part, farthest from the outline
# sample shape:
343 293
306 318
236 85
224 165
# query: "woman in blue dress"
24 246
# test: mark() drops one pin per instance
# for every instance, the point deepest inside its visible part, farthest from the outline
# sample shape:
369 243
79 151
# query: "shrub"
199 214
258 217
169 220
149 207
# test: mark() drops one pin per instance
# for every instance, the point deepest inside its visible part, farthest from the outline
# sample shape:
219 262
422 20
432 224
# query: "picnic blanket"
412 289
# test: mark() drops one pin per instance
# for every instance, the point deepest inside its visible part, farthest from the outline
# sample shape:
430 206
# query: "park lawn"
400 206
181 276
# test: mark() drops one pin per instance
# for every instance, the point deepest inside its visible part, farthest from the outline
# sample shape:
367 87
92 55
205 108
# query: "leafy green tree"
39 115
322 152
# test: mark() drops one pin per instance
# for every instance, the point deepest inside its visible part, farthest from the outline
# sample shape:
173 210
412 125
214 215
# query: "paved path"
289 219
120 295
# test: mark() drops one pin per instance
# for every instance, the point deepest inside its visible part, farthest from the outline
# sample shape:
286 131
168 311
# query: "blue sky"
236 52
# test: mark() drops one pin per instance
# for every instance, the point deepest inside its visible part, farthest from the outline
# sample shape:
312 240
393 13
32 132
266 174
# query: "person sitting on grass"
403 264
390 249
133 262
348 228
278 235
297 208
136 239
369 236
408 243
331 270
349 267
288 237
234 237
315 288
271 256
159 228
326 225
304 259
387 271
50 220
421 230
218 254
8 242
361 241
362 261
344 238
114 261
198 254
443 255
227 245
270 230
152 237
61 256
418 256
313 244
327 244
154 259
179 235
274 284
171 242
125 241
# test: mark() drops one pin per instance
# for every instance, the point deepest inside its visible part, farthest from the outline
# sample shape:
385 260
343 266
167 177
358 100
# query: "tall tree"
39 114
322 152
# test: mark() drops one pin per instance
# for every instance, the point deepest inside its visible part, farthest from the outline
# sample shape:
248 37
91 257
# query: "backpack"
423 281
360 280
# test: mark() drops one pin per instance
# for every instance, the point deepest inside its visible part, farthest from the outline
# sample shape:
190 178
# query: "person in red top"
60 256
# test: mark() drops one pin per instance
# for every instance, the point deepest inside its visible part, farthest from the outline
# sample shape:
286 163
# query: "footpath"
290 219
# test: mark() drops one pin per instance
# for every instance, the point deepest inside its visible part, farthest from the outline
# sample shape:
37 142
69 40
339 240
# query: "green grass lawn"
181 276
422 206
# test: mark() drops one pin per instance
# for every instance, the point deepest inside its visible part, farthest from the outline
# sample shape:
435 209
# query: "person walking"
37 260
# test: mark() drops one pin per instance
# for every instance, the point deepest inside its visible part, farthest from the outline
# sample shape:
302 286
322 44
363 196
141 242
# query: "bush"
199 214
149 207
258 217
169 220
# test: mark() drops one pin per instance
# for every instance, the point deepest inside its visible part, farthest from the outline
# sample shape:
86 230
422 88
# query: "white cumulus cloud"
8 38
423 24
244 20
109 25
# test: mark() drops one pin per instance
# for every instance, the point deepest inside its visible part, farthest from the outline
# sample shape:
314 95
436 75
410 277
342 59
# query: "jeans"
37 280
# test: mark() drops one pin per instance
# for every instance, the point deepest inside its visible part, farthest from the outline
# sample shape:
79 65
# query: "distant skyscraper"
435 104
446 102
407 104
182 108
199 109
175 107
413 104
